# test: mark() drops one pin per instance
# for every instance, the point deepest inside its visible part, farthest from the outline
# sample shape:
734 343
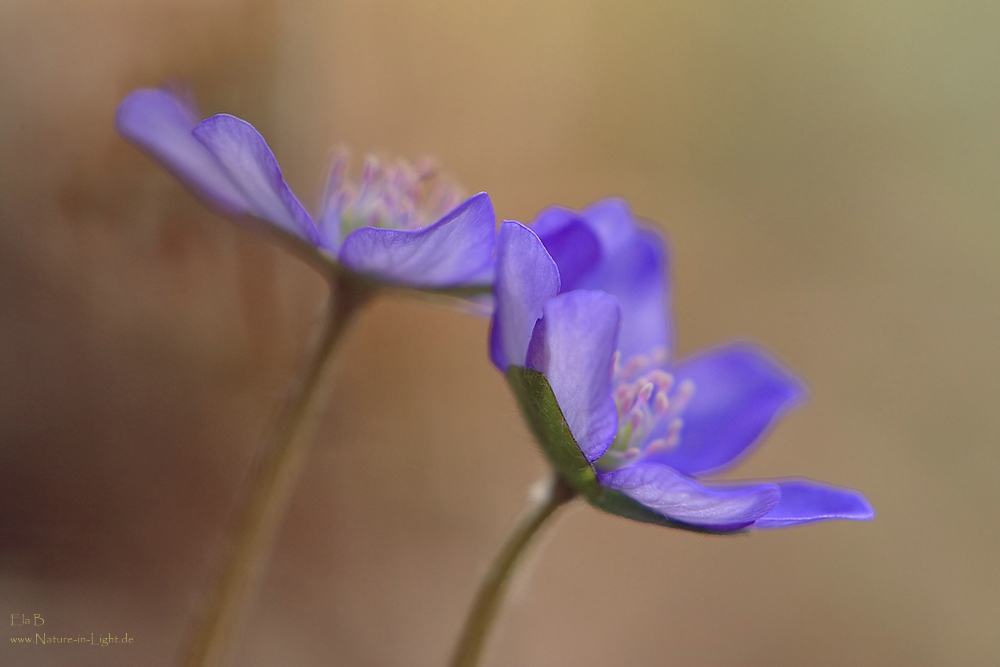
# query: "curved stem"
270 487
543 504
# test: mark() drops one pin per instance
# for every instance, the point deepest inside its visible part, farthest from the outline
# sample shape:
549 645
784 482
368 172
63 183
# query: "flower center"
394 195
650 405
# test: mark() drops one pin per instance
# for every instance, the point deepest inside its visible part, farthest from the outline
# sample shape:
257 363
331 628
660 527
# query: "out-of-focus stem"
544 500
270 487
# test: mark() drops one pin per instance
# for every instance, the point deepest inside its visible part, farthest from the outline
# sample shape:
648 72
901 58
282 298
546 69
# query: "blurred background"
827 175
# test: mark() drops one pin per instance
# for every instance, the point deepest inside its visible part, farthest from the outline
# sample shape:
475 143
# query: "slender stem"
543 502
270 488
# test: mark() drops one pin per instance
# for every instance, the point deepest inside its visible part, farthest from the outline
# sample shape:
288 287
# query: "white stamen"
649 400
661 403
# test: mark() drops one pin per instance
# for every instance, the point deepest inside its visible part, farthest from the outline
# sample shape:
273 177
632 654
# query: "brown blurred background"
827 174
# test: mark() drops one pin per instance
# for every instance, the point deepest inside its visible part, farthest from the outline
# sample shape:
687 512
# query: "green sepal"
547 423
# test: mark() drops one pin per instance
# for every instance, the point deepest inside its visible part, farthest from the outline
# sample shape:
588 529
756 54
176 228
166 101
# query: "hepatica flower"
392 226
581 328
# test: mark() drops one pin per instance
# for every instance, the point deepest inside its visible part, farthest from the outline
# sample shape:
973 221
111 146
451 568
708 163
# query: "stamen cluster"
391 194
650 403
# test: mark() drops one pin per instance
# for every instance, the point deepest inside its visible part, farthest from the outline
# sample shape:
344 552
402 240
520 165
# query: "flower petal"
571 243
250 164
631 265
671 494
160 123
456 250
526 277
739 392
573 346
637 276
803 501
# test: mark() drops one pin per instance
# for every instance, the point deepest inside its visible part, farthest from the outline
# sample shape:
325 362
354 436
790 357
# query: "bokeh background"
826 172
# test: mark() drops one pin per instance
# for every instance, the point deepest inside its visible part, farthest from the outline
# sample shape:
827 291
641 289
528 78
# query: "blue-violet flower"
392 227
581 327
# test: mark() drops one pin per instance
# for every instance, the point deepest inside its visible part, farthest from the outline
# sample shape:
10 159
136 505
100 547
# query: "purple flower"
581 328
392 226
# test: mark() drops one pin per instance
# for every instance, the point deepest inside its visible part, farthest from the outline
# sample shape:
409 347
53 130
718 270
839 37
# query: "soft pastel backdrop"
827 174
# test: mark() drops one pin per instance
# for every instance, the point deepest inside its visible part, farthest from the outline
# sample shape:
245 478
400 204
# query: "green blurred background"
827 174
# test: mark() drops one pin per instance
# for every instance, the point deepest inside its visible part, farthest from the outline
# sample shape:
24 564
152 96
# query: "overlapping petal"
456 250
631 265
252 167
573 345
803 501
526 277
574 247
677 497
636 275
160 123
739 392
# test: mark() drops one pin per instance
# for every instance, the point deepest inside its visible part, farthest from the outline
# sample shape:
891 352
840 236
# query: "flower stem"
543 502
270 487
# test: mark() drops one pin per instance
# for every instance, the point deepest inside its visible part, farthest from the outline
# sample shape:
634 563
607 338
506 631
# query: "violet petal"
526 277
571 243
159 123
573 346
637 276
454 251
252 167
631 265
803 501
671 494
740 391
